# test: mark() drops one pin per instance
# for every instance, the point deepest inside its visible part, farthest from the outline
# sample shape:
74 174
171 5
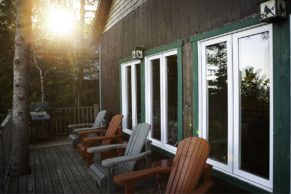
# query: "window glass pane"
216 61
254 63
138 96
156 127
172 99
129 100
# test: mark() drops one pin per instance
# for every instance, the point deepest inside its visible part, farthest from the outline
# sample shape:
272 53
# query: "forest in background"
68 67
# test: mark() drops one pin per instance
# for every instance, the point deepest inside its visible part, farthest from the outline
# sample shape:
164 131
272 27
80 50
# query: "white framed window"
161 90
130 89
236 103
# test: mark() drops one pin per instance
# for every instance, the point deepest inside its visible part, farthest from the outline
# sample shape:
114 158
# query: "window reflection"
172 99
129 102
254 63
216 56
138 95
156 127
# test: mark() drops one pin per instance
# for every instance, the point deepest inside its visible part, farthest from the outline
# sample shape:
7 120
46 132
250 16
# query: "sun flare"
60 21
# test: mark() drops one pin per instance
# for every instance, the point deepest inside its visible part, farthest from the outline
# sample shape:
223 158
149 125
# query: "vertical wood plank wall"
158 22
119 9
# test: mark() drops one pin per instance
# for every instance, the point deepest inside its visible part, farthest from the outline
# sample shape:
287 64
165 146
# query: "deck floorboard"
55 168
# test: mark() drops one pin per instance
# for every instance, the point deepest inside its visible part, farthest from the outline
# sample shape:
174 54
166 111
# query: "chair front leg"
129 188
110 184
148 158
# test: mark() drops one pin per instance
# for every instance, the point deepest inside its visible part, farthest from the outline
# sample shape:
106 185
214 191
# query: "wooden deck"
55 168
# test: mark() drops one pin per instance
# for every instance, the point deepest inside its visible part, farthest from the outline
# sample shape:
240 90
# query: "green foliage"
7 32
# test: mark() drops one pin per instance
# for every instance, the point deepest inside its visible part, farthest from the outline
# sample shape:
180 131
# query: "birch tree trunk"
20 112
42 75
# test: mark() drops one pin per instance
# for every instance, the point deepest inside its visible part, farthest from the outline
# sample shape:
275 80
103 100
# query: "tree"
20 112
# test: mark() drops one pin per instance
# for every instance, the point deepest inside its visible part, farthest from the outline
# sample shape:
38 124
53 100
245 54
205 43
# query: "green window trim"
281 120
142 86
163 48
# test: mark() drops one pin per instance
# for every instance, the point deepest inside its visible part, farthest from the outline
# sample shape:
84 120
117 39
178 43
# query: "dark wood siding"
158 22
119 9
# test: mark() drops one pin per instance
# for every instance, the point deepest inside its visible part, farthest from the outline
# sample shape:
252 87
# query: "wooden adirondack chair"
104 172
113 132
185 172
74 136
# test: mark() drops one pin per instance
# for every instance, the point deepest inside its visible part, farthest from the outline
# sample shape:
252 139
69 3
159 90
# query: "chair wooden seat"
186 170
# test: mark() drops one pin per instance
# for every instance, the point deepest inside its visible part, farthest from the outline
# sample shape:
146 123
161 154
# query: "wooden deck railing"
5 149
60 118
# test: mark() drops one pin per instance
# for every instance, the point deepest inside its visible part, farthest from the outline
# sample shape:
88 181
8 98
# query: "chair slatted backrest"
99 118
135 143
188 165
114 125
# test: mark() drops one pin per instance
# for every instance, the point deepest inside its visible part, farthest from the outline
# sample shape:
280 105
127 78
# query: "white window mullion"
164 101
155 141
201 93
124 96
204 96
230 103
236 96
133 95
148 93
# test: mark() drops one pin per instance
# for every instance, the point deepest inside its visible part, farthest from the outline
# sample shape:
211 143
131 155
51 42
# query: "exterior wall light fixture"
137 53
272 10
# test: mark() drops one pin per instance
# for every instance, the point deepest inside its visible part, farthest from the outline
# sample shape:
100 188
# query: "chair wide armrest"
119 160
80 125
76 130
100 138
105 148
134 176
86 131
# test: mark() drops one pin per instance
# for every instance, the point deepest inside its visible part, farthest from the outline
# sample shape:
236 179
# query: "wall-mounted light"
137 53
271 10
